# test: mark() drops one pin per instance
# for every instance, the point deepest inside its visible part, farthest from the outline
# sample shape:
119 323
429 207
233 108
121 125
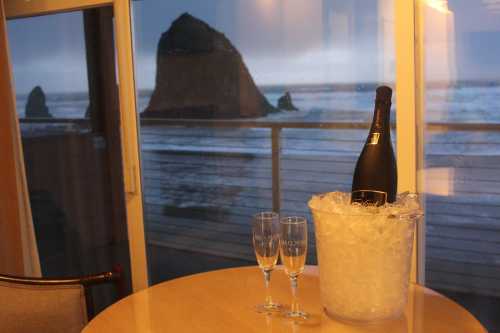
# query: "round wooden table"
223 300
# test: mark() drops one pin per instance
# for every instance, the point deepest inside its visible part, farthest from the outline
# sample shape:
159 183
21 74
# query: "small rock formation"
200 74
36 106
285 102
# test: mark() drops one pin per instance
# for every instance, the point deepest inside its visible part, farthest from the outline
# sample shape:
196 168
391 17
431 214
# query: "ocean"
464 103
202 185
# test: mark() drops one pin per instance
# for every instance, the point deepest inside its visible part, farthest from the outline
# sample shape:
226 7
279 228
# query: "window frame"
409 123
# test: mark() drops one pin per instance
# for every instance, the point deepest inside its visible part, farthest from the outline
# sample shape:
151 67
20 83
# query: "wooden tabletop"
223 300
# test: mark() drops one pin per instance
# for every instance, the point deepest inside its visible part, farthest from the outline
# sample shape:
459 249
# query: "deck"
202 187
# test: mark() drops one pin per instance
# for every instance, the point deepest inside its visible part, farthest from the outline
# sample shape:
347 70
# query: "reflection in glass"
66 85
462 98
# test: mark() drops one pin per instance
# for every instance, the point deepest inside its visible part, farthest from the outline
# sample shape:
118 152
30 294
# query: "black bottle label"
369 197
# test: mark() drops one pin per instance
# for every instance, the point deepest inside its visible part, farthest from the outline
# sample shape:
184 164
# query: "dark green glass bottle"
375 179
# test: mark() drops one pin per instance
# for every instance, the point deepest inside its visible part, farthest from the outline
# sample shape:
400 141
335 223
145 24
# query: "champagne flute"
293 250
265 230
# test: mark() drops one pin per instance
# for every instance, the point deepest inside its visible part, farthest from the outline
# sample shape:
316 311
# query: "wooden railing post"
276 176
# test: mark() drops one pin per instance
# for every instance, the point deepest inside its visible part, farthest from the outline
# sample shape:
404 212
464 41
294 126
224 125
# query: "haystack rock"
200 74
285 102
36 106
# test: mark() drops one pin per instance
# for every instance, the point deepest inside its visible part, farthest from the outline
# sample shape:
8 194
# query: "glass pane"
248 106
64 70
462 159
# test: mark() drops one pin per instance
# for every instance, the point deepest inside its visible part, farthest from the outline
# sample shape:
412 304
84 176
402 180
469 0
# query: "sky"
282 41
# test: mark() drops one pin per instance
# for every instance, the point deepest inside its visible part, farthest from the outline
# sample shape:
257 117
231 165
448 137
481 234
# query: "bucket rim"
412 214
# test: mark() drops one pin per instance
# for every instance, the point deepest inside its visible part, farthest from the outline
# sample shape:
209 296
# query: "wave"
466 101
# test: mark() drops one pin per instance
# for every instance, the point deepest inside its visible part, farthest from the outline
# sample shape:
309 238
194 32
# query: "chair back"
50 305
42 308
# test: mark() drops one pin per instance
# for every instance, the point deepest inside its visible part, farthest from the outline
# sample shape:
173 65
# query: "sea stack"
285 102
200 74
36 106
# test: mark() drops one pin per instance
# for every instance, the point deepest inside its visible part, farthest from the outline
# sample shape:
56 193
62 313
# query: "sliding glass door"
82 187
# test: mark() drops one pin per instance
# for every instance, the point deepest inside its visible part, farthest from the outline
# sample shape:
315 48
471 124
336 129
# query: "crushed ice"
406 205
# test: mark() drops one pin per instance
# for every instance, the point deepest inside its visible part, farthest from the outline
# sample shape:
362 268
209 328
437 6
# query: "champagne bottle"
375 176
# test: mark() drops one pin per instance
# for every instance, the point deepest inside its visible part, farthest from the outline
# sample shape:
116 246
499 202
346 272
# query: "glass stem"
295 301
267 279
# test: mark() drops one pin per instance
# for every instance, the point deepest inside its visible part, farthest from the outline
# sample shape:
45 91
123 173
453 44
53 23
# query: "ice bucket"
364 256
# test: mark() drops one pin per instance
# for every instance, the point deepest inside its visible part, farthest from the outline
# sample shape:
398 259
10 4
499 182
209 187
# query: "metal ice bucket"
364 261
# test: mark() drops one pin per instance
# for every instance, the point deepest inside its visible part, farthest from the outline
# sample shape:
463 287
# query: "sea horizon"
465 103
327 86
469 102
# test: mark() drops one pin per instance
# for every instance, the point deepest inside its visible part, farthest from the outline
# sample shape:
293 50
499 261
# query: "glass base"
269 308
301 315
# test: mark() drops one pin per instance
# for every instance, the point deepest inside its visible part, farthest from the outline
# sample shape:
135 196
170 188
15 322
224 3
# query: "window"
67 100
248 106
462 48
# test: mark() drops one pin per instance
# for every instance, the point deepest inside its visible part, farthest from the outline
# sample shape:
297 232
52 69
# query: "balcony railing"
275 137
463 221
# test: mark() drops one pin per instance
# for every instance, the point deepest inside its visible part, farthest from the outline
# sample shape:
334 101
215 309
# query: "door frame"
409 121
128 126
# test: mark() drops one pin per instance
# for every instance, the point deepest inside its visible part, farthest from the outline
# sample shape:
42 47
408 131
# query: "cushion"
33 308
